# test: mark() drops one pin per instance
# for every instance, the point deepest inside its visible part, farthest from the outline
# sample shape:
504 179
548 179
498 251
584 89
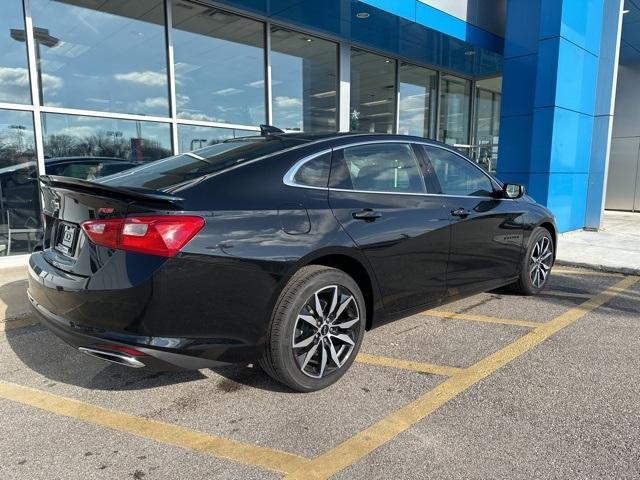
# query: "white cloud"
80 132
154 102
199 116
256 84
148 77
288 102
228 91
14 83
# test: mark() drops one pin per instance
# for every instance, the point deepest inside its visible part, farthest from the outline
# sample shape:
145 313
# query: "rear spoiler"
131 193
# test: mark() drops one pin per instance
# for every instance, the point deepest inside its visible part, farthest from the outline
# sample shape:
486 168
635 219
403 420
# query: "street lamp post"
41 37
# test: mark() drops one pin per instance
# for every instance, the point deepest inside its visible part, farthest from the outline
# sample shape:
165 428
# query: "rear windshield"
170 171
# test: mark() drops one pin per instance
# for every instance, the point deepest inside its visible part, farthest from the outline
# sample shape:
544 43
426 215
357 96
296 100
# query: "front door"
379 196
486 230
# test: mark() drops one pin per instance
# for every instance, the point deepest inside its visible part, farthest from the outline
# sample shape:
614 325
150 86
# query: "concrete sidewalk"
614 248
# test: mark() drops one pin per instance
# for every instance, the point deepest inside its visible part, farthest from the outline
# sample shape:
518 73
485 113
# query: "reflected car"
282 249
87 168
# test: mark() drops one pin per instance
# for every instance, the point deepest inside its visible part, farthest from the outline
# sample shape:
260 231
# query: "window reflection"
455 102
219 65
89 148
14 76
487 122
107 56
418 97
373 92
20 227
304 79
192 137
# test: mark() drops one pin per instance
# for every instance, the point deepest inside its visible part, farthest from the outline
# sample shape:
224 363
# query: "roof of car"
315 137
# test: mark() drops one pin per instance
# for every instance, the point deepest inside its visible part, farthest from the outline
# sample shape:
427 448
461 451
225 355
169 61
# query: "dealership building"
526 88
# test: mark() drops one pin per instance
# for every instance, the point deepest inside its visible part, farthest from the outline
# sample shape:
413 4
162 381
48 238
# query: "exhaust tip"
113 357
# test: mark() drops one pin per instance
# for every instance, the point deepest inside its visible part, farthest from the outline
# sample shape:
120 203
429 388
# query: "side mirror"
513 190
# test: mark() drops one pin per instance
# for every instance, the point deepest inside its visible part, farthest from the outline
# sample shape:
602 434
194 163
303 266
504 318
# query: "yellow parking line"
482 318
360 445
154 430
407 365
569 271
17 323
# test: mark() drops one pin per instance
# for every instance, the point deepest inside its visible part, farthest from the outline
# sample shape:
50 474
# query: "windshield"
170 171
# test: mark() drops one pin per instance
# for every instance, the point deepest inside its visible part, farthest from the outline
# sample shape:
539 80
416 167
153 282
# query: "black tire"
525 284
280 360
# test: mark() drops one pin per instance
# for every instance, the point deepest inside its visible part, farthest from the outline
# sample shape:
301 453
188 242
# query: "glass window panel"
455 102
108 55
109 142
219 65
487 122
418 87
373 92
314 173
383 167
304 77
192 137
14 76
20 226
457 176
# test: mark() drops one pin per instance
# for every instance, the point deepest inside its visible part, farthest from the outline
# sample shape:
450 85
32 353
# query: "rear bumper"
162 314
154 357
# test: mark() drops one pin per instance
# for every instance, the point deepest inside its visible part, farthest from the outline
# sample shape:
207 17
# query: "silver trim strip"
288 178
113 357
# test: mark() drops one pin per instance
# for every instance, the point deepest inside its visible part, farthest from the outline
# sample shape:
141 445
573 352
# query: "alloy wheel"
326 331
540 262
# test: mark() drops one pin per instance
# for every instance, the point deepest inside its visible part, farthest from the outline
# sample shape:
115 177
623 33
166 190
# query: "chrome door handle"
460 212
367 215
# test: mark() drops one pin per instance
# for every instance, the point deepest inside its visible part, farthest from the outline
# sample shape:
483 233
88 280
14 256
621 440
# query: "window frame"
421 156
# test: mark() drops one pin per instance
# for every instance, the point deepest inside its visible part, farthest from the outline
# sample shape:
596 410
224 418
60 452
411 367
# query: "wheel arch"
551 228
358 269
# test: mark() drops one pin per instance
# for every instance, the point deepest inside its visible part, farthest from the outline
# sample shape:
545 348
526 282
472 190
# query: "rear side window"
314 172
188 166
379 167
457 176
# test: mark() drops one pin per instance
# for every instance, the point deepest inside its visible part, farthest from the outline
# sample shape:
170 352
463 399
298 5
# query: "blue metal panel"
521 35
571 143
515 150
577 77
577 21
517 90
567 193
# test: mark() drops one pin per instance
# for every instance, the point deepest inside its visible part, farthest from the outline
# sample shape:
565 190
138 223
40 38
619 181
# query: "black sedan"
282 249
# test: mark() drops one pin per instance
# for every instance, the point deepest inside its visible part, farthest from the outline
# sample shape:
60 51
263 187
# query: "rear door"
486 230
378 194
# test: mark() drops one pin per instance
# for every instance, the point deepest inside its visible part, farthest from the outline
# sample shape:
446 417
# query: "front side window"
458 176
383 167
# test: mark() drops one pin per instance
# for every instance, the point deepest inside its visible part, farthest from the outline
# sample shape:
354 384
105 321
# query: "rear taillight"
155 235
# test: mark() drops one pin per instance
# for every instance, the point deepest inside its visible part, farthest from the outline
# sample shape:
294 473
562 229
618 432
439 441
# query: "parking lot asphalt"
493 386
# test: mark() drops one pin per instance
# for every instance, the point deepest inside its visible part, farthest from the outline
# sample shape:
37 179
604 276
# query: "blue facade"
557 101
558 72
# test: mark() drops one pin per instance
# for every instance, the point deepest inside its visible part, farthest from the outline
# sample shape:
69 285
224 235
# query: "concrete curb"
601 268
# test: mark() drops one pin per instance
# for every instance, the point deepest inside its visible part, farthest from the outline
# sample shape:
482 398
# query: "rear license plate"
67 238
